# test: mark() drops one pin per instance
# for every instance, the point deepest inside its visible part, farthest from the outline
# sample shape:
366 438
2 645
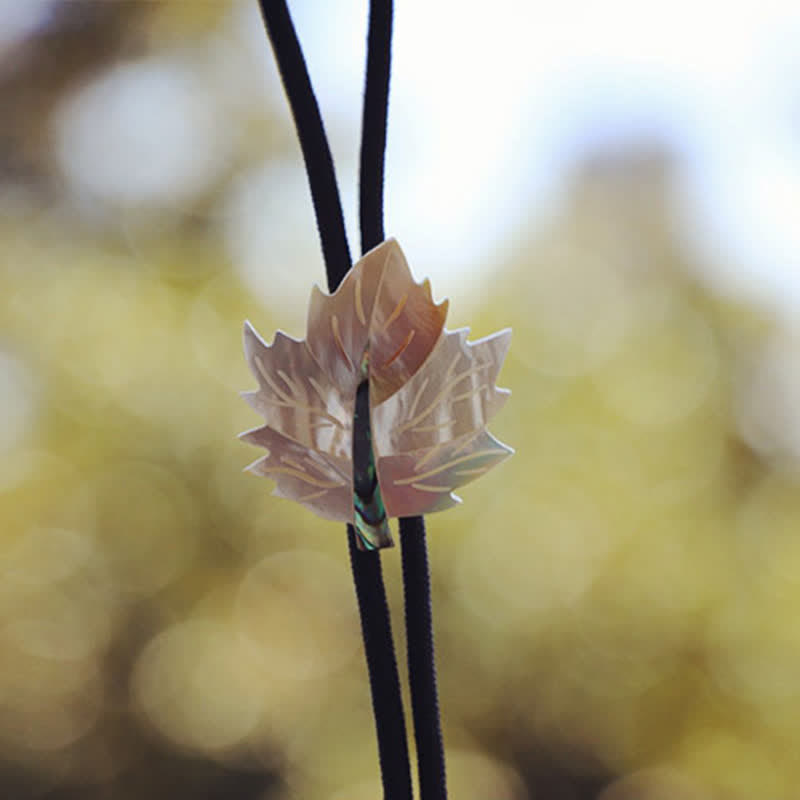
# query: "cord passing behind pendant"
380 412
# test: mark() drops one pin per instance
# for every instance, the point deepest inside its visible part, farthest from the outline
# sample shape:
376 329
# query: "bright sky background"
491 108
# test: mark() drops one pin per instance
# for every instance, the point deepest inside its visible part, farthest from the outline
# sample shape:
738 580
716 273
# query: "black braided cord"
312 138
421 661
416 572
367 574
373 123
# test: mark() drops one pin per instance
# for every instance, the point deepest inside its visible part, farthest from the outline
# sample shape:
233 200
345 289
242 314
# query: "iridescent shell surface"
431 394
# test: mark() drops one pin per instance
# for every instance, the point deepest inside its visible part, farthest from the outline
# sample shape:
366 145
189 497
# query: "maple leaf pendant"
380 412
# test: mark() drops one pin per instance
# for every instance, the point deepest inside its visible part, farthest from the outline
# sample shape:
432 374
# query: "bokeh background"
617 607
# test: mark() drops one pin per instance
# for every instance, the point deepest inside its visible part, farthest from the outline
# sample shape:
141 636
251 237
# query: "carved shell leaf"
453 394
422 482
319 481
379 306
295 397
431 394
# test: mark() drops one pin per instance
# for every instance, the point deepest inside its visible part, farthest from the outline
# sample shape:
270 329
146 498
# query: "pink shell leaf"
404 328
295 397
422 482
452 395
379 307
320 482
431 394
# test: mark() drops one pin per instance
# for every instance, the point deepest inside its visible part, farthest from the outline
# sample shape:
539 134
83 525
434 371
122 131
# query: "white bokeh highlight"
17 401
21 19
142 134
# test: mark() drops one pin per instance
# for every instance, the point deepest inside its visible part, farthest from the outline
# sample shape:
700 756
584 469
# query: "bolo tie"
380 412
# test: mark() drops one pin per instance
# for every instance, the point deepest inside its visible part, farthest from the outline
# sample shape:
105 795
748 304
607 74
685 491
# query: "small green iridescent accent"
371 524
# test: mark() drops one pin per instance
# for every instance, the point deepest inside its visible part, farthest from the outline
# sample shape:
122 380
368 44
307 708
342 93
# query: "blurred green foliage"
615 606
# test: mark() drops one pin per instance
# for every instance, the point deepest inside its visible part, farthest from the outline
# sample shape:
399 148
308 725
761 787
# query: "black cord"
421 660
367 574
384 680
313 142
416 574
373 123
